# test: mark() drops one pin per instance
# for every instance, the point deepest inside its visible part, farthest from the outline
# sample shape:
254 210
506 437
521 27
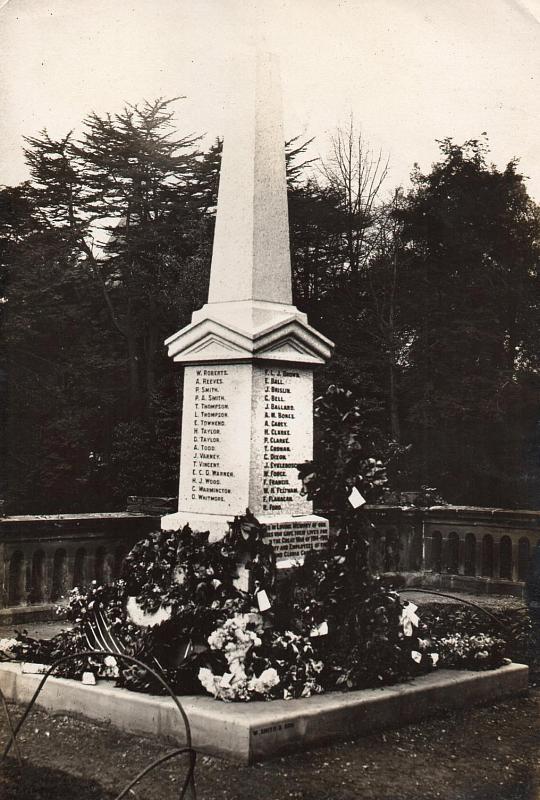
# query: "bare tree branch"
356 176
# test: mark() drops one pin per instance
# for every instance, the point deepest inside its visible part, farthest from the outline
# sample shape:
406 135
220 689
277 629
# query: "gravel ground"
38 630
482 754
492 602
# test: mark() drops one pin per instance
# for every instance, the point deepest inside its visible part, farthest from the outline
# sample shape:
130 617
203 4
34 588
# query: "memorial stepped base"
250 732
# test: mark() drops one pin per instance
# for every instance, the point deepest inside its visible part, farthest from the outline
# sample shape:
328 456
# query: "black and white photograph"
270 399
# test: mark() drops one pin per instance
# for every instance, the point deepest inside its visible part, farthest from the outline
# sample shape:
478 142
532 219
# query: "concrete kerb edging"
248 732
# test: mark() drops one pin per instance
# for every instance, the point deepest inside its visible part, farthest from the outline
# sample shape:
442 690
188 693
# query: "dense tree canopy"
431 297
106 255
471 239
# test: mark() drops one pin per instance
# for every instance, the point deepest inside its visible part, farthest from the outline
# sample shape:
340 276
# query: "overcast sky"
411 71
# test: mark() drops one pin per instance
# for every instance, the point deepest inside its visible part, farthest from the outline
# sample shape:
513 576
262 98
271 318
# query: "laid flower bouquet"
261 663
234 640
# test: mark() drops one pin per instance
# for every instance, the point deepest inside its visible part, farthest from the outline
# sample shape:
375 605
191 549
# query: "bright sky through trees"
411 71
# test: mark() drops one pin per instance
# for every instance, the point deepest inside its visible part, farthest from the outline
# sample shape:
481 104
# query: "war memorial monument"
248 357
249 354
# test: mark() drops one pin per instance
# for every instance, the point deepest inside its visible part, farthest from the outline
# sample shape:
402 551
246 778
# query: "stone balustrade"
43 557
480 549
457 547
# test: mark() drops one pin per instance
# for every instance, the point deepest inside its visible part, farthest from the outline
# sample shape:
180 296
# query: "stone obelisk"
249 353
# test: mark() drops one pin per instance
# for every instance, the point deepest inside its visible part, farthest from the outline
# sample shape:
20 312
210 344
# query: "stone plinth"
246 427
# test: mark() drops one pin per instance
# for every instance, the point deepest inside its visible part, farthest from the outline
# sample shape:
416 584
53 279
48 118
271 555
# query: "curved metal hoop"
10 726
189 779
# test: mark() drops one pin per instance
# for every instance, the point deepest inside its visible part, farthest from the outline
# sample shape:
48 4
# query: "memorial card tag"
409 618
416 656
355 498
263 601
89 679
320 630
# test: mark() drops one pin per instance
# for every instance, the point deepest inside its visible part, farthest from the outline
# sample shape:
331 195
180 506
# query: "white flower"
237 669
266 680
269 677
7 648
482 654
110 667
180 577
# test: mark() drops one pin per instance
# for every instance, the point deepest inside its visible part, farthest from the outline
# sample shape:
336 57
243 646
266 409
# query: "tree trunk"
394 407
133 368
150 366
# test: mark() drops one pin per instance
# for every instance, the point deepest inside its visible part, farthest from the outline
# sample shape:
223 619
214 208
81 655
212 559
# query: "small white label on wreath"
319 630
355 498
263 601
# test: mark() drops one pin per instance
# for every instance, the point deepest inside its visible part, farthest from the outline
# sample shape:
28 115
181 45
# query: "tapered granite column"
249 353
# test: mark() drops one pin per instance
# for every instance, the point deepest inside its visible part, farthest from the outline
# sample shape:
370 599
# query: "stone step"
250 732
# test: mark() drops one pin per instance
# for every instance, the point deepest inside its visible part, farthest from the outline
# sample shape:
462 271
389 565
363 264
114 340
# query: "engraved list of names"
284 429
214 473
